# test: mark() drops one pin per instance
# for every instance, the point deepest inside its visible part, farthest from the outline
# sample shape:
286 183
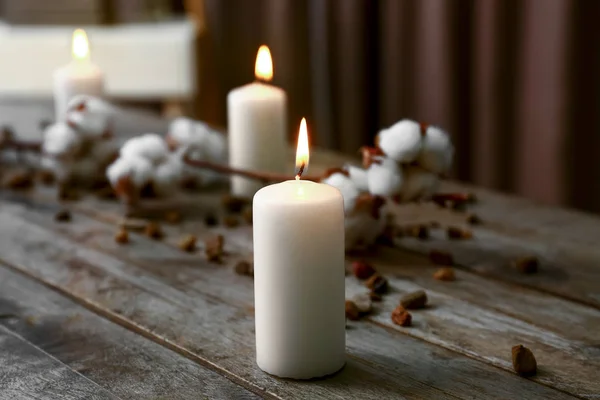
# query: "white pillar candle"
257 119
299 282
80 76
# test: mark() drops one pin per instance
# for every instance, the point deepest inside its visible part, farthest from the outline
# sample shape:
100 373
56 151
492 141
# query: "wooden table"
83 317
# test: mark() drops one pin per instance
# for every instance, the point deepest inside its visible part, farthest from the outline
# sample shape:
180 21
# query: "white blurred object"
140 61
402 141
437 152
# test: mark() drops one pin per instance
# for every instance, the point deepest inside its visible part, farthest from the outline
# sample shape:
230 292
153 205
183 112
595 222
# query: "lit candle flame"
263 70
80 45
302 150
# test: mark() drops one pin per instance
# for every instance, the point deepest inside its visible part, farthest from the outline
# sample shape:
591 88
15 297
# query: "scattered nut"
444 274
122 236
231 221
234 204
458 233
214 248
363 302
374 296
352 312
247 215
19 180
400 316
46 177
244 268
31 320
474 219
523 361
173 217
377 284
527 265
441 257
414 300
62 216
153 231
210 220
418 231
362 269
188 243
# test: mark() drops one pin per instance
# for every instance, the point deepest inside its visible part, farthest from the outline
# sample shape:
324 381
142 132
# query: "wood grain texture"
129 365
30 373
165 297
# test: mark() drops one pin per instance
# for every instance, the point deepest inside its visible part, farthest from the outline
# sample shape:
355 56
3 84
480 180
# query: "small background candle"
80 76
257 118
299 276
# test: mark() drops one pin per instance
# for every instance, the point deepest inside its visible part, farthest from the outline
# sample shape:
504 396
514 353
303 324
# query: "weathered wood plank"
113 357
192 285
30 373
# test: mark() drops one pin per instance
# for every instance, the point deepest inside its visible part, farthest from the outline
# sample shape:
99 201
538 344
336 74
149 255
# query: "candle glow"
302 153
80 45
263 69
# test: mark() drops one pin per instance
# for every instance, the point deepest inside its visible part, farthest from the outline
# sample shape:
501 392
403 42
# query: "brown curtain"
516 82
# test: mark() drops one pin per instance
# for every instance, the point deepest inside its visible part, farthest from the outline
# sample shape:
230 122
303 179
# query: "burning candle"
256 116
80 76
299 275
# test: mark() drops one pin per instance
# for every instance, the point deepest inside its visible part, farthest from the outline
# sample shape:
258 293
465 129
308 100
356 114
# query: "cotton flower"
167 176
358 176
61 141
402 141
149 146
91 116
129 175
419 184
437 153
384 177
346 186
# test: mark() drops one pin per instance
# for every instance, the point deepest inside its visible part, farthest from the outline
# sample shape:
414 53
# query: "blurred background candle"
80 76
256 116
299 276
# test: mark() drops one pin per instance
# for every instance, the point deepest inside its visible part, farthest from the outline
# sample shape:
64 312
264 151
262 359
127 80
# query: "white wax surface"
77 77
299 281
257 119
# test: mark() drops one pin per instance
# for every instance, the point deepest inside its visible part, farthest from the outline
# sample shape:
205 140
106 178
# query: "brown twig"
258 175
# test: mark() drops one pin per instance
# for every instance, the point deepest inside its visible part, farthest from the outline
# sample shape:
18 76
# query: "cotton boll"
437 152
418 184
60 169
345 185
137 169
91 116
358 176
167 177
60 140
384 177
184 132
402 141
149 146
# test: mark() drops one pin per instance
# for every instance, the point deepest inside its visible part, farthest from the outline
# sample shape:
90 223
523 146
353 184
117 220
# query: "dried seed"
234 204
458 233
231 221
62 216
444 274
418 231
363 302
19 180
247 215
46 177
441 257
210 220
414 300
213 248
352 312
362 269
31 320
122 236
474 219
173 217
523 361
400 316
377 284
527 265
244 268
153 231
188 243
374 296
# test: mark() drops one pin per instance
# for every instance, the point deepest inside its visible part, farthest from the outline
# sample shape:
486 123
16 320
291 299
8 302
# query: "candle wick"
297 177
300 170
